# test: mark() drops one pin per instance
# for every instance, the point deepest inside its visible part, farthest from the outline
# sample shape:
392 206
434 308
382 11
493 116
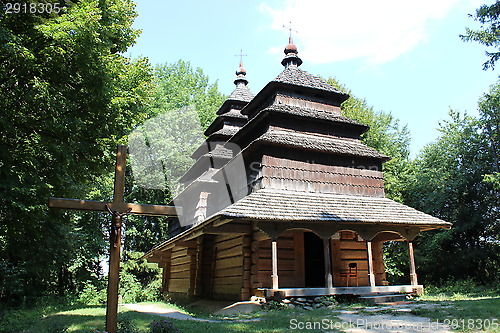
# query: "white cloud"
379 31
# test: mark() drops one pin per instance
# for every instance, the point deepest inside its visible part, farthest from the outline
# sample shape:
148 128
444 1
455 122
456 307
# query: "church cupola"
291 58
241 79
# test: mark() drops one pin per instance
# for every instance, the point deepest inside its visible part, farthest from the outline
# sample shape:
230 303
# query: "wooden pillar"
199 262
247 241
274 258
166 264
413 270
371 275
328 267
115 243
191 252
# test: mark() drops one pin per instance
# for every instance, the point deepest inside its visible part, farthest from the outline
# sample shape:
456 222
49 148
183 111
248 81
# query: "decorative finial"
241 72
291 51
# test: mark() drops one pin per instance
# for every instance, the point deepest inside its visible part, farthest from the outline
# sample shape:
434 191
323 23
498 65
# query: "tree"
489 109
488 34
178 86
68 96
448 183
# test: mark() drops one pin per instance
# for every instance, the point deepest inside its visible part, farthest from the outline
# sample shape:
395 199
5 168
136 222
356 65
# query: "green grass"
88 318
479 306
468 312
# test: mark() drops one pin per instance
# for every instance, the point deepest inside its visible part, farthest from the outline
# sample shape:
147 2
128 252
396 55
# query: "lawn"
86 319
472 312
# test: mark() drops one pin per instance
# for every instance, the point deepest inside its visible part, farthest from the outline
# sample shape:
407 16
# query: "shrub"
162 326
126 324
90 295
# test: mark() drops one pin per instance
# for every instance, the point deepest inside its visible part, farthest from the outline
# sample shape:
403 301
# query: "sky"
403 57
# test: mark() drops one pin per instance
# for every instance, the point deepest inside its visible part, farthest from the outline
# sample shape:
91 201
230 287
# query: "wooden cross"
117 208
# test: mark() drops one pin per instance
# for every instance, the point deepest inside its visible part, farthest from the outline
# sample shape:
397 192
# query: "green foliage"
489 33
448 183
91 295
396 262
162 326
126 324
180 86
68 97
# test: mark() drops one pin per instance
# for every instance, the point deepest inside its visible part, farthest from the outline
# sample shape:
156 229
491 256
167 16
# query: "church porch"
358 291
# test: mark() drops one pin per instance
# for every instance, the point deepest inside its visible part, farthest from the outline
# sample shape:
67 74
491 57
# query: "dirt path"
388 323
164 312
394 318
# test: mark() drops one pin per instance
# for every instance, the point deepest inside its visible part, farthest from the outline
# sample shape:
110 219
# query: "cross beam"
100 206
118 208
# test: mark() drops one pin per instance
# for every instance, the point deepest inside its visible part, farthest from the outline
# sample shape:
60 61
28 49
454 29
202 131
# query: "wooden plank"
371 274
353 255
119 183
180 274
352 245
229 271
284 254
90 205
413 270
283 265
231 252
230 262
229 228
223 244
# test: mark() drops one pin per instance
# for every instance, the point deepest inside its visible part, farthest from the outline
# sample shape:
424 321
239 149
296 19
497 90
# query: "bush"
466 286
126 324
162 326
90 295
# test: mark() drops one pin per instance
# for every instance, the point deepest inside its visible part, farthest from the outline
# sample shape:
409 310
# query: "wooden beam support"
413 269
236 229
100 206
328 267
371 275
274 259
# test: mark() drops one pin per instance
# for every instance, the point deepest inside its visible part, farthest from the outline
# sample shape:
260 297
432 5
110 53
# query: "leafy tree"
68 97
178 86
488 34
448 183
489 109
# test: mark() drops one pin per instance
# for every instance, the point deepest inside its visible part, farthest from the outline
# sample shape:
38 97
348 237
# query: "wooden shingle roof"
296 76
319 142
280 205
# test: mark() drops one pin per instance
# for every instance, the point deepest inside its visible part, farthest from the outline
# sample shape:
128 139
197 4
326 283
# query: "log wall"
227 279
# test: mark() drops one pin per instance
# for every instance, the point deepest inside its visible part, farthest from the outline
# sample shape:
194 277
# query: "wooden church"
308 215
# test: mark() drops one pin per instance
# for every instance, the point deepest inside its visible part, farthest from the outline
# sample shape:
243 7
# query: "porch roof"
281 205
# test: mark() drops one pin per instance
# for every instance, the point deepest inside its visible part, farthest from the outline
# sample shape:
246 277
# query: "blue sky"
403 57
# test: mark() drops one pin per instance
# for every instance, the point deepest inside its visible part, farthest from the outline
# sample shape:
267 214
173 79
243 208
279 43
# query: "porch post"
371 275
328 266
413 270
274 255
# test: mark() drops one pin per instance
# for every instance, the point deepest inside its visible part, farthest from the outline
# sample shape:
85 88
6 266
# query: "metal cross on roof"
241 55
289 28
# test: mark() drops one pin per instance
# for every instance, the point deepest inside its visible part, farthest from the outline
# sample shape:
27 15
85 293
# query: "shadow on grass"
485 307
